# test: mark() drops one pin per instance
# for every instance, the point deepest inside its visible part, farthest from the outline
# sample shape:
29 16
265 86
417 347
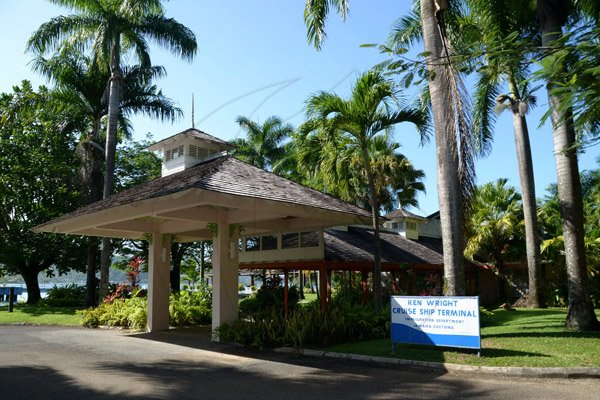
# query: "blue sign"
436 320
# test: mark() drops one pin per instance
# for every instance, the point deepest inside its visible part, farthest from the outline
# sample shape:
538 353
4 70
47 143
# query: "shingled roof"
358 244
401 213
222 175
195 134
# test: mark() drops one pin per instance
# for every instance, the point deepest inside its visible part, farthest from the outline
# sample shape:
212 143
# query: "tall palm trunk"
526 177
375 217
449 192
581 314
114 100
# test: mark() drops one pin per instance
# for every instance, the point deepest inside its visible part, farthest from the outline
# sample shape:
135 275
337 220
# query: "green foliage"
66 296
495 228
37 183
270 296
127 313
573 67
190 308
263 146
345 320
347 142
135 165
553 241
185 309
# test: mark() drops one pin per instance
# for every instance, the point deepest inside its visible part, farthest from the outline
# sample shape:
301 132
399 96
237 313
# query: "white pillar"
225 265
159 260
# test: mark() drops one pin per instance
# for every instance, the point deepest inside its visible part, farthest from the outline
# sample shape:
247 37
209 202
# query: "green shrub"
346 320
185 309
271 294
67 296
190 308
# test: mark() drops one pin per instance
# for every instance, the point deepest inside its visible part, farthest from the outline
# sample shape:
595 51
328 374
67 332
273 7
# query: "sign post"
436 320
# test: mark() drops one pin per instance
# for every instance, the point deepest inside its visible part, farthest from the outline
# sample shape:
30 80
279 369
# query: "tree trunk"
581 314
30 276
301 284
526 176
375 217
90 282
92 178
202 263
114 100
449 193
177 251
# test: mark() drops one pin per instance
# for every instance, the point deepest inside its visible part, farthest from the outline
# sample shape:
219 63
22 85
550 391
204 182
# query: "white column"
225 265
159 260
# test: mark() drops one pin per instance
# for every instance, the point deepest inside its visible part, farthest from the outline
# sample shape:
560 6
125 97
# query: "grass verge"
519 338
40 315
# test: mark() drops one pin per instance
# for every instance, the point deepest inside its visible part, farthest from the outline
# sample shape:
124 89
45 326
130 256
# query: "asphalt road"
71 363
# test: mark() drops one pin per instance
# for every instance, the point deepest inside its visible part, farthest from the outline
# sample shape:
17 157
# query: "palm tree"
495 226
553 16
353 124
553 245
335 166
494 23
486 28
82 85
397 182
455 173
111 29
264 144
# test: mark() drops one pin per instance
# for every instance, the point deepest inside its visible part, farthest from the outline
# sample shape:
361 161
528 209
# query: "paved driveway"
71 363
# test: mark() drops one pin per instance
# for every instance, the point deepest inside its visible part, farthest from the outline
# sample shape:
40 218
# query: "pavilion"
206 194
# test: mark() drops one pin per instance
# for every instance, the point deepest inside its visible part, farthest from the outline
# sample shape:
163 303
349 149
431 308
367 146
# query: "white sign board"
436 320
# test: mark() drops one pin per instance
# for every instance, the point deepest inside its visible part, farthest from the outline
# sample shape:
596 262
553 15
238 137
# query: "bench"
5 293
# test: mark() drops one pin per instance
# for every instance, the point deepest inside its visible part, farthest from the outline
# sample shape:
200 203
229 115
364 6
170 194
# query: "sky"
254 60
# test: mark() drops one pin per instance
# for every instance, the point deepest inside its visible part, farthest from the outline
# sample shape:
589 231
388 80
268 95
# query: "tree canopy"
37 183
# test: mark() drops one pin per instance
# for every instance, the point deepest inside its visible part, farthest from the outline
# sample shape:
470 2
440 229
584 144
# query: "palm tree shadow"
502 353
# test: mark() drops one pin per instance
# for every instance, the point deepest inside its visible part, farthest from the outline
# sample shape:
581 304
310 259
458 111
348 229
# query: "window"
202 153
167 155
290 240
309 239
268 242
253 244
193 151
411 225
180 151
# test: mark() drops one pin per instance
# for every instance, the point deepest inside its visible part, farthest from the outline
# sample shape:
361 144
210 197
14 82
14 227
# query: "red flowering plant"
124 290
133 274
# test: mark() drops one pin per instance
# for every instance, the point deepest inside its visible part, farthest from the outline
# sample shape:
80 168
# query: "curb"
524 372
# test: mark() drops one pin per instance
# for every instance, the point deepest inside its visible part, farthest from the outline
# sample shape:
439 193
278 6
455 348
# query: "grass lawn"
525 338
38 315
308 298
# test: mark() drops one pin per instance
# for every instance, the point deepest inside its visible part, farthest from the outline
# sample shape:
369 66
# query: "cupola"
405 223
188 148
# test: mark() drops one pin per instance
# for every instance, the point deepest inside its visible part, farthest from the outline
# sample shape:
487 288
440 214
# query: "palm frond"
315 14
169 34
484 117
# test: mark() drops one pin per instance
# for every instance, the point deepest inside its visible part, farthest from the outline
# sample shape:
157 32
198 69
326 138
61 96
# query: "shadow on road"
31 383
